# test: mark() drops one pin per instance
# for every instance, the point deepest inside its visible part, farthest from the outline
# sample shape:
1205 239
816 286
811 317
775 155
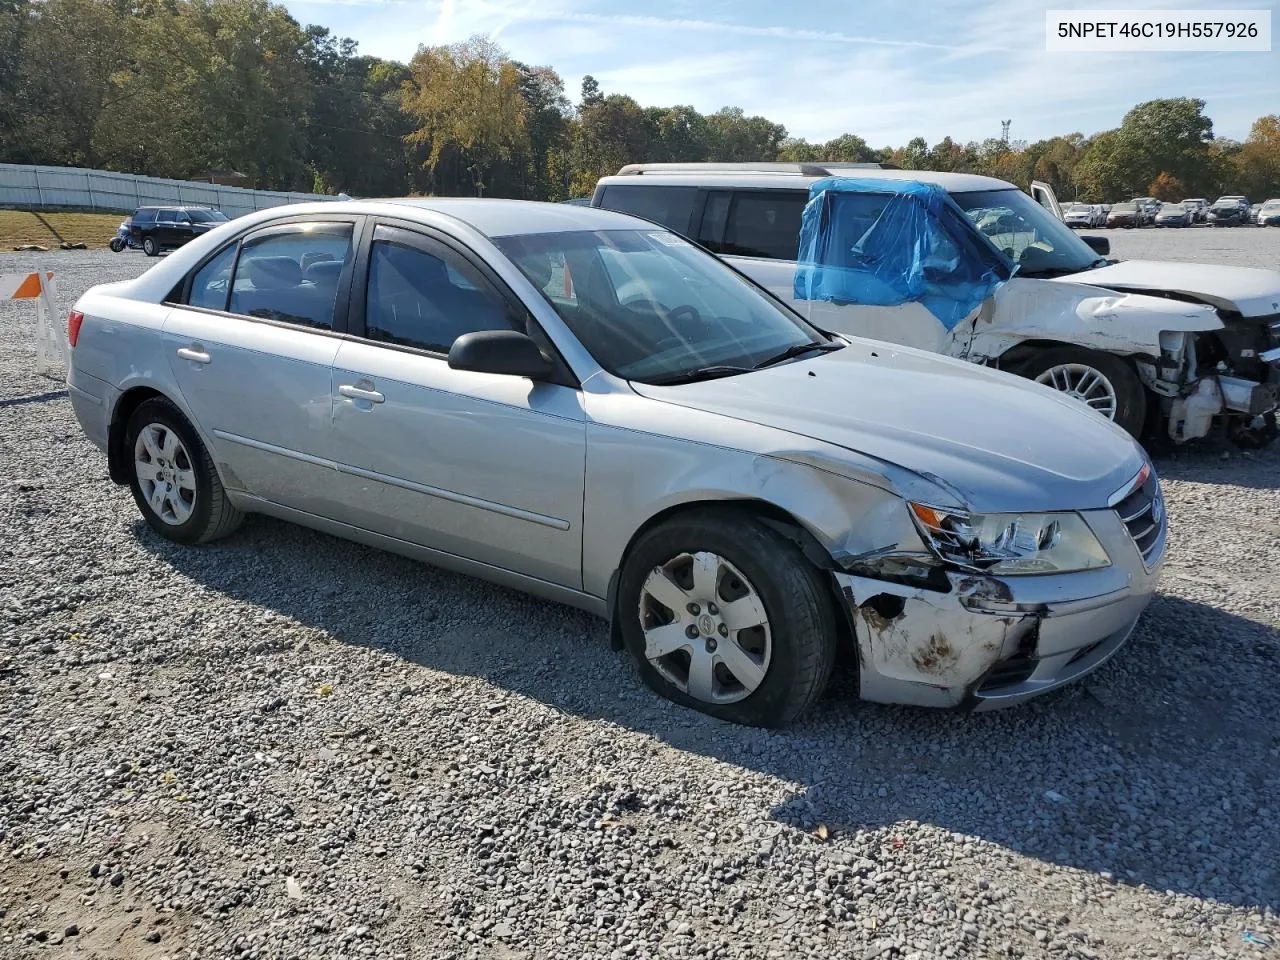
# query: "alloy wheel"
705 627
165 474
1083 383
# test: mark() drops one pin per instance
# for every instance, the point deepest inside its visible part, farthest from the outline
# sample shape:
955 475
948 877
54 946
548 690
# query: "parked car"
1228 212
1127 215
1269 215
1255 211
1148 208
156 229
735 491
1078 215
1144 366
1173 215
1198 207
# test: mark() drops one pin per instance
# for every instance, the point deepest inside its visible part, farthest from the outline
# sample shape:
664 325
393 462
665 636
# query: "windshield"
1028 234
651 307
1173 208
1124 208
207 216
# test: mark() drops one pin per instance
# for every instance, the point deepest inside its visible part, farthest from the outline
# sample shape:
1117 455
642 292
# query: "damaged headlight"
1010 544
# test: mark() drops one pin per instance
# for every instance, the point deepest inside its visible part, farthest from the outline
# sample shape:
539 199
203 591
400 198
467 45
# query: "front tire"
173 478
1103 382
150 247
725 615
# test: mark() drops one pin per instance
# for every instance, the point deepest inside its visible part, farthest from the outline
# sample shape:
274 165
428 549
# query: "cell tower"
1004 130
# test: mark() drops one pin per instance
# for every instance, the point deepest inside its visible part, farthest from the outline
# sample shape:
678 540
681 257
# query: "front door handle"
195 356
359 393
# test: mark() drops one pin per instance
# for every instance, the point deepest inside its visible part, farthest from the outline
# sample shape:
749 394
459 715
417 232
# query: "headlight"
1011 544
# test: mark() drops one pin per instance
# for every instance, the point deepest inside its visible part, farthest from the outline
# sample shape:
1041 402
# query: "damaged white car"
1172 350
583 406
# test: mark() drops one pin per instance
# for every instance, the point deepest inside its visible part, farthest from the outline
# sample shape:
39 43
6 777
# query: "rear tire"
1065 369
173 478
732 569
150 247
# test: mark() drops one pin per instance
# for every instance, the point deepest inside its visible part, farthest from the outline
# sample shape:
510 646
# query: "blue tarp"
886 242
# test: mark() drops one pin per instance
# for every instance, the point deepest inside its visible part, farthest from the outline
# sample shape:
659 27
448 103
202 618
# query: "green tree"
610 133
52 91
737 138
848 148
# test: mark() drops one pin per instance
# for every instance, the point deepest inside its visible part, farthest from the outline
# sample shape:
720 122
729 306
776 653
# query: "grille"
1142 513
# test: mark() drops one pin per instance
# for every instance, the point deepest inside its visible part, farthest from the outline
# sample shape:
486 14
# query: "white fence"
34 188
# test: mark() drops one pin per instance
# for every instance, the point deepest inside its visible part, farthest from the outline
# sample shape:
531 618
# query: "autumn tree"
1166 187
1258 160
465 100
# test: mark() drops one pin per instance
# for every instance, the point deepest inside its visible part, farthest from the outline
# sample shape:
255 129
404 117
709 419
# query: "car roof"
504 218
765 179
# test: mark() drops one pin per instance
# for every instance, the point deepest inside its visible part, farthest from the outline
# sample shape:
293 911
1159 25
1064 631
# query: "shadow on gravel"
1220 463
1162 769
33 398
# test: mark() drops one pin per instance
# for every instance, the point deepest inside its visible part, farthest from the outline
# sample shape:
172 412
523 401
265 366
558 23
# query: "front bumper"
991 642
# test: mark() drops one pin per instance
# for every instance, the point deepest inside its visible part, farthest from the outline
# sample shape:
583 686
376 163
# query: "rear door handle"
359 393
195 356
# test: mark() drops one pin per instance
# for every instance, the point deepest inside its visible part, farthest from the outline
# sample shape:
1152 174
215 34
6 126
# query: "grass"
50 229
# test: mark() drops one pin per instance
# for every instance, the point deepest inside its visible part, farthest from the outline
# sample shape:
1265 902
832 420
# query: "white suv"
1156 347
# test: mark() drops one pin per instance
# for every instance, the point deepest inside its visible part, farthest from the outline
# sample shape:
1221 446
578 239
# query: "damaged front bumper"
989 642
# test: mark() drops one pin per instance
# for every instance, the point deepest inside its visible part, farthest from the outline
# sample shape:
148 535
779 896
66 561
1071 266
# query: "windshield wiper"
797 350
709 372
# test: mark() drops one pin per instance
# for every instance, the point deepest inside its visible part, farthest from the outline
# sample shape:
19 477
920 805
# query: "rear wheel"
150 247
724 614
173 478
1104 383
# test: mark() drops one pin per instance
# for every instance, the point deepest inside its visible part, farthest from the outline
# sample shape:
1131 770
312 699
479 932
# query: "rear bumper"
992 642
92 400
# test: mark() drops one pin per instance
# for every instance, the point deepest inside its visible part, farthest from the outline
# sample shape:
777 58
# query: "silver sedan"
584 406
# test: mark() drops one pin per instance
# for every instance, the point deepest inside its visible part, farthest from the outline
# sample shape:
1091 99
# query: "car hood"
1249 291
996 442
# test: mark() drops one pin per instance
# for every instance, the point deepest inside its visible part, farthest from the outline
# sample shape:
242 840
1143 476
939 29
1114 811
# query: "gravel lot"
1238 246
286 746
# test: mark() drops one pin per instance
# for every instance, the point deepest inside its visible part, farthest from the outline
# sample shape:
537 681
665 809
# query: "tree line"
197 88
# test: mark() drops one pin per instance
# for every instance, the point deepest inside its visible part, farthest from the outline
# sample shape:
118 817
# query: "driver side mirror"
1099 245
504 352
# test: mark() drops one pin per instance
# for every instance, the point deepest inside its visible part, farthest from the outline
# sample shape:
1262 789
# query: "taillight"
74 319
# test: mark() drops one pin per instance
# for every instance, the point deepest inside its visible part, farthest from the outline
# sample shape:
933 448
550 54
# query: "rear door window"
763 223
670 206
291 274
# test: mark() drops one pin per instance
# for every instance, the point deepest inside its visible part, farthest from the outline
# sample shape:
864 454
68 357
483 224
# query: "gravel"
284 745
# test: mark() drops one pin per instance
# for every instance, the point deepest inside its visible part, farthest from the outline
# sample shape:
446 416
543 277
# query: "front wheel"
724 614
1101 381
173 478
150 247
116 244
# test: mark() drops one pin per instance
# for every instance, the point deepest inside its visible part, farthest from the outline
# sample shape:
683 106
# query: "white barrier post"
52 350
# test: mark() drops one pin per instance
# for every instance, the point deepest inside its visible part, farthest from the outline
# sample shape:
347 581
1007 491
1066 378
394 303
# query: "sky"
887 71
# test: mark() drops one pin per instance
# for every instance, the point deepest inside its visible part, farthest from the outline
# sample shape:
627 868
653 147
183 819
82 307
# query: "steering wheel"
686 310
